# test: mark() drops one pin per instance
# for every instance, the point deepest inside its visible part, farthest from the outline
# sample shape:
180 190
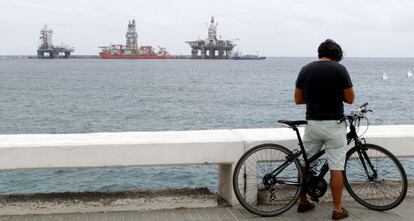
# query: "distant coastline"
72 57
35 57
187 57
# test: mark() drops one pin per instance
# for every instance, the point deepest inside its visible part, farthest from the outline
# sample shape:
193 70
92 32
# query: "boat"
238 56
385 77
123 52
131 50
409 74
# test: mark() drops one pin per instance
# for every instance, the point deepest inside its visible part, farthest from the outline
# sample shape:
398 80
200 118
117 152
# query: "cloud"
272 27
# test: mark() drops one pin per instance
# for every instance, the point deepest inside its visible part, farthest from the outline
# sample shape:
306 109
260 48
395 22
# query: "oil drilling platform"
48 50
131 50
212 47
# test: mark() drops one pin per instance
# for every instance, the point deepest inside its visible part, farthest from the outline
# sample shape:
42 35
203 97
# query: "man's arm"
299 99
349 95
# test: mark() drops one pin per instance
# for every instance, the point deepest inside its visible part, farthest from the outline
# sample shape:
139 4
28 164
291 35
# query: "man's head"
330 49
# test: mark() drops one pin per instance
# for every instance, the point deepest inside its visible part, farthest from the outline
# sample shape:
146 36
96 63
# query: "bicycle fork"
363 157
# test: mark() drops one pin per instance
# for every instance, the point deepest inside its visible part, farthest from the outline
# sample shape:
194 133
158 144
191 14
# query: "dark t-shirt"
323 83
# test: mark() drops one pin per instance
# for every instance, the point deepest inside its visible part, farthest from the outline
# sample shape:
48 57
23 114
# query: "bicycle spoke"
382 192
273 194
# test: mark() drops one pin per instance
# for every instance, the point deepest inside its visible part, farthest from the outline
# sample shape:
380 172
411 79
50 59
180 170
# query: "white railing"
222 147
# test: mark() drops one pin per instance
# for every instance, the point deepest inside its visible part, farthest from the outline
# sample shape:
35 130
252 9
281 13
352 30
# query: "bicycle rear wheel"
383 185
257 190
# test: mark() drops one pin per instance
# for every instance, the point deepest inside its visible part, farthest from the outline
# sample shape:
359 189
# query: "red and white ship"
131 49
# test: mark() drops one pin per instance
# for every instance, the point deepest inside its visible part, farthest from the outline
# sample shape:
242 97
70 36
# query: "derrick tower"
131 36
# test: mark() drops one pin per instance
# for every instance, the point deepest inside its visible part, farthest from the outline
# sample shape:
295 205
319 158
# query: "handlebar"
356 114
359 113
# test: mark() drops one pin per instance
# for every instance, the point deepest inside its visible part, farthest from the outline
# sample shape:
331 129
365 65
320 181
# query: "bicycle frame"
351 136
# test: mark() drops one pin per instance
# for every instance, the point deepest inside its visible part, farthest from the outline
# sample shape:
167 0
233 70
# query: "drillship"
131 49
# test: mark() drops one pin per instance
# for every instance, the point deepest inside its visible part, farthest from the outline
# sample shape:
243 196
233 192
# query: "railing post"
225 183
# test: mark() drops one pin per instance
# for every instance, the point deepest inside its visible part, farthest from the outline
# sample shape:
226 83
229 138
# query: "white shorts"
331 136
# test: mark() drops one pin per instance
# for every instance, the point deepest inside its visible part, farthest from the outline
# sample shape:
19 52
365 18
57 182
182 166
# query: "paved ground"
323 211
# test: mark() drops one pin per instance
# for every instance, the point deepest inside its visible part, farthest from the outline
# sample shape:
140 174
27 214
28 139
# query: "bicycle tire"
250 168
381 196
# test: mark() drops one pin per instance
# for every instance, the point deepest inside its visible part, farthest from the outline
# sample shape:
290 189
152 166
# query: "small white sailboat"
385 77
409 74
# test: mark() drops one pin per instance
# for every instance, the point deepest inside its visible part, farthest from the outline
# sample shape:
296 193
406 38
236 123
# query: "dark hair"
330 49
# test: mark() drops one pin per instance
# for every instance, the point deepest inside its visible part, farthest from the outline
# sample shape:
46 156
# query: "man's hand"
299 99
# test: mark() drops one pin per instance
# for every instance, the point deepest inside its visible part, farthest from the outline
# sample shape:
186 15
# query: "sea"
93 95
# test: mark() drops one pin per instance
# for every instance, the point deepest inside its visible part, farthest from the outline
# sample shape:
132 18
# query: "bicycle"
268 178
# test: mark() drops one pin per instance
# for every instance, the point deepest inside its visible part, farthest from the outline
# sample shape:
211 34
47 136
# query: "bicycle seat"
293 123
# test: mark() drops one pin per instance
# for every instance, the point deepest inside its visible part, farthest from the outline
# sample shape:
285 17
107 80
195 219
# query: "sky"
292 28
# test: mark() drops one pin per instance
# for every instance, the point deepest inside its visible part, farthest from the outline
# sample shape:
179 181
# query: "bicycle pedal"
315 200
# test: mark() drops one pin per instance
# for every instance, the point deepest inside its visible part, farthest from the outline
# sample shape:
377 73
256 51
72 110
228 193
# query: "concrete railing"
222 147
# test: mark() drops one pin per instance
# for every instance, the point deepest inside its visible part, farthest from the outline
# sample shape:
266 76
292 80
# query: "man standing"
323 86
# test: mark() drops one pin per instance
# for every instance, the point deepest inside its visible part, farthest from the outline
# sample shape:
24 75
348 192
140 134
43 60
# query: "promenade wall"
222 147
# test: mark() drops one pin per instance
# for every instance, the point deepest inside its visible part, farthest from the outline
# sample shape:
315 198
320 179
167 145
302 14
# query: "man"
323 86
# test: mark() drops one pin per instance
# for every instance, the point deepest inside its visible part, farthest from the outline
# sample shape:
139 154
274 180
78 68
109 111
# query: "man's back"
323 83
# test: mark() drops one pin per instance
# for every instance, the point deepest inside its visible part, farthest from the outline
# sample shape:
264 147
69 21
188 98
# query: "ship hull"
109 56
248 58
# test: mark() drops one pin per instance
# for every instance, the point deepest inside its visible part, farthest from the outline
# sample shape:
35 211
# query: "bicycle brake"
296 152
363 141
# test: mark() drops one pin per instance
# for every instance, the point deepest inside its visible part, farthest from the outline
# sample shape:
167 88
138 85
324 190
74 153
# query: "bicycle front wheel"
267 181
374 177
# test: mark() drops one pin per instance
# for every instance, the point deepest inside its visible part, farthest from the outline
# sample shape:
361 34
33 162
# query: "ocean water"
92 95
